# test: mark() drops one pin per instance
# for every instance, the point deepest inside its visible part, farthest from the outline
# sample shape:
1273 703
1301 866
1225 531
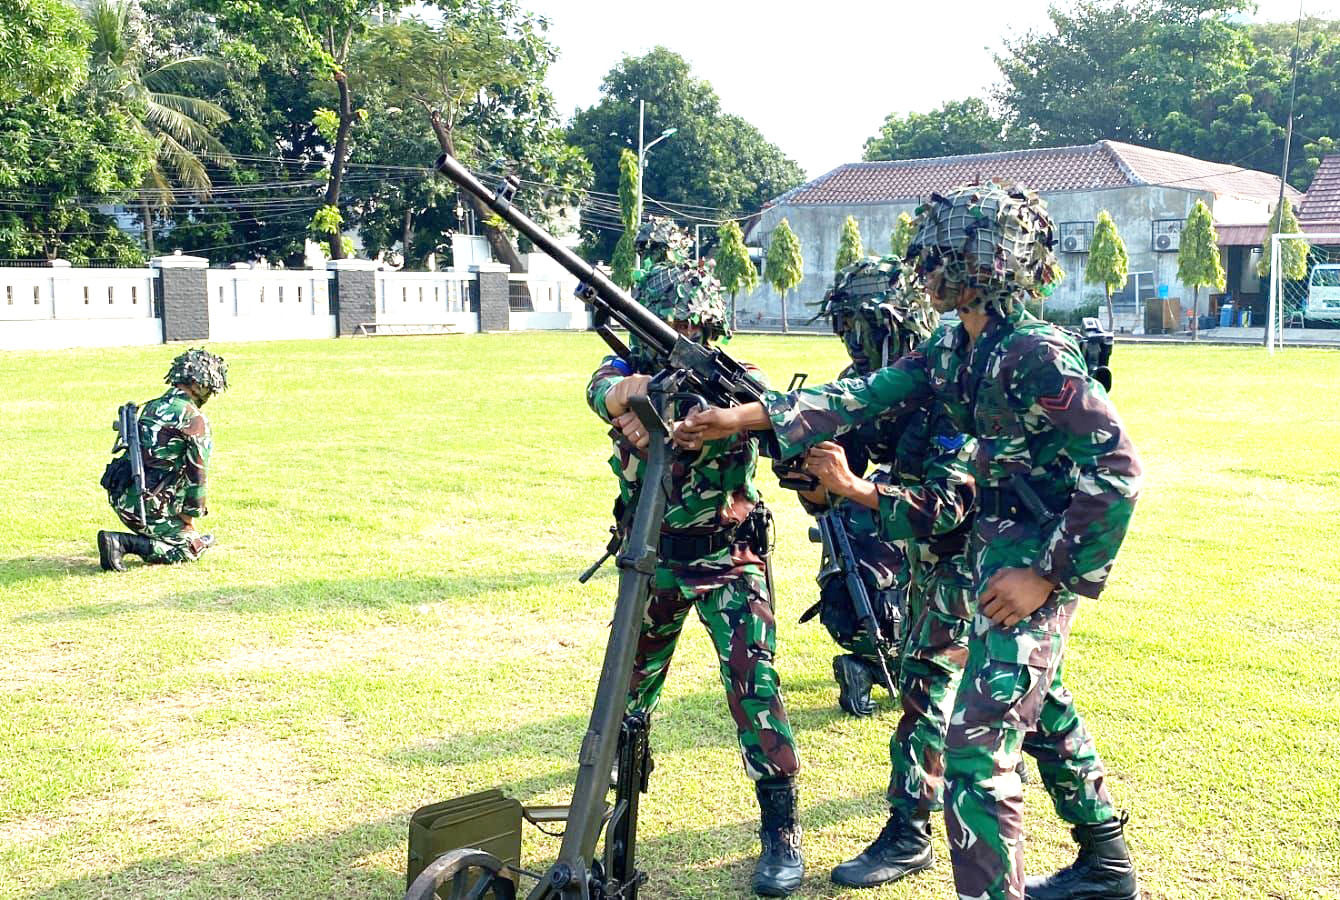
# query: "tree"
478 76
1198 257
59 163
323 33
716 165
1107 264
734 268
625 254
1293 253
785 267
849 245
957 127
177 125
45 57
901 238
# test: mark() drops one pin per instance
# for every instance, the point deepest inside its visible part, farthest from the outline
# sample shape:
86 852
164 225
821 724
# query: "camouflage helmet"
201 368
685 292
878 311
660 240
995 239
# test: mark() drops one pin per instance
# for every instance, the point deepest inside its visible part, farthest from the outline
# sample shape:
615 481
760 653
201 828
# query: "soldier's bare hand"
714 424
622 393
186 520
827 461
1013 595
630 426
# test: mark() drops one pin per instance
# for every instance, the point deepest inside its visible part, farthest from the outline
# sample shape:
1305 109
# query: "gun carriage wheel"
464 874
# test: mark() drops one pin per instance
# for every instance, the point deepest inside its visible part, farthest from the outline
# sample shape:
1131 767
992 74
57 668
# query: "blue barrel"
1225 316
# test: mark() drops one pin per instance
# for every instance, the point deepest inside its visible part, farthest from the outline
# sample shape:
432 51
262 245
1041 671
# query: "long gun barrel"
715 375
837 547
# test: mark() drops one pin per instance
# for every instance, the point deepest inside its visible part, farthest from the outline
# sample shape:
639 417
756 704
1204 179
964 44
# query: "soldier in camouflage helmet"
713 549
878 320
911 518
175 444
1057 479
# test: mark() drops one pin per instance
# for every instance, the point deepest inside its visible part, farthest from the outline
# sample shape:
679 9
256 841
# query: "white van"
1323 294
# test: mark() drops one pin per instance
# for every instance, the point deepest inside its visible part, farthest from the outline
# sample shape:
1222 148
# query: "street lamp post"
642 159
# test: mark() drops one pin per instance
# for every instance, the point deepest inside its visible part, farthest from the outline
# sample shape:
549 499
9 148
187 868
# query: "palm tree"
178 126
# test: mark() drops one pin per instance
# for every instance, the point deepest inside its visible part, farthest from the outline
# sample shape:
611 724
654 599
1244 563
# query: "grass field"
392 617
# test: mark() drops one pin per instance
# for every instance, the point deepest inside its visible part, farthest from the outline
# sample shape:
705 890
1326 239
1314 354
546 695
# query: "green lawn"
392 617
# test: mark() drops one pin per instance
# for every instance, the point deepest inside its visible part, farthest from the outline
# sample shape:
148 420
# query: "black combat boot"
114 545
855 680
1102 871
903 847
780 866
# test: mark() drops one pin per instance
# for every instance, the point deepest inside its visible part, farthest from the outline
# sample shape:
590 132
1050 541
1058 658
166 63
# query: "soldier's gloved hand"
1013 595
631 427
624 390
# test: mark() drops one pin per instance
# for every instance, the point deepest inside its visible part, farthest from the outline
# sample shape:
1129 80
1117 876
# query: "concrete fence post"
182 296
354 294
495 312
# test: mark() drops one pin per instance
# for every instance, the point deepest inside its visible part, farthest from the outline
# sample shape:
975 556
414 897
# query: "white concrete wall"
1133 209
269 304
575 320
53 308
437 300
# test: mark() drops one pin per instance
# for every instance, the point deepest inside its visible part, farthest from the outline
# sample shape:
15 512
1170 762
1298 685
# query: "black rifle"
620 866
706 371
840 560
128 439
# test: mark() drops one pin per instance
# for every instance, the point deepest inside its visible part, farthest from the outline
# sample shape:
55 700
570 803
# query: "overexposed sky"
816 78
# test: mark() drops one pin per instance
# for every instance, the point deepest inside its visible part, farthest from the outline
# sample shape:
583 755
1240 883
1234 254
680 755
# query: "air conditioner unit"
1076 236
1167 235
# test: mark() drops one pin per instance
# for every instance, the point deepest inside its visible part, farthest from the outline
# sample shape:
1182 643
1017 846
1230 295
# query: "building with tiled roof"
1148 193
1320 210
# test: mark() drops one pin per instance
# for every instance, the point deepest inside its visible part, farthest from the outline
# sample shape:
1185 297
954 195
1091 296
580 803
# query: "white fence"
52 308
426 301
269 304
60 306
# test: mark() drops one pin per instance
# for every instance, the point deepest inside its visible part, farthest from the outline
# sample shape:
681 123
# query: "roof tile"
1105 164
1321 204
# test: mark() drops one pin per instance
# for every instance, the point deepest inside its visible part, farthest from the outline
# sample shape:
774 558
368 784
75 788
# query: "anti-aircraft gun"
470 846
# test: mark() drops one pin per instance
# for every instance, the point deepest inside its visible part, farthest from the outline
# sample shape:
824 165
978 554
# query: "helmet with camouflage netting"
200 368
660 241
996 240
878 311
685 292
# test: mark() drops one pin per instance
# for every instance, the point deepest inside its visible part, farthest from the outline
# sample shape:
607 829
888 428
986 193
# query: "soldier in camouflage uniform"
877 322
175 445
918 505
1057 478
712 546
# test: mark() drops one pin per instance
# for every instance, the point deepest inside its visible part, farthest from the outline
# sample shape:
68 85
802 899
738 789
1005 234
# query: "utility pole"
642 158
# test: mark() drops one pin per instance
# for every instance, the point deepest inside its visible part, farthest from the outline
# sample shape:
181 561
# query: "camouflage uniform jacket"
709 492
1023 390
176 443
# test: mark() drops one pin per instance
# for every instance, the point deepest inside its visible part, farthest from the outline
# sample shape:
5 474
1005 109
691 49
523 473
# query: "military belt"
686 547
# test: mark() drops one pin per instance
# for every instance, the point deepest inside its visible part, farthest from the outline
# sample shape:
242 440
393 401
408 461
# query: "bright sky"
816 78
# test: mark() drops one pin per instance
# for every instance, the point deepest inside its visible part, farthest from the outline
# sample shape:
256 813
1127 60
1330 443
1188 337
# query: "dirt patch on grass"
44 667
446 635
185 783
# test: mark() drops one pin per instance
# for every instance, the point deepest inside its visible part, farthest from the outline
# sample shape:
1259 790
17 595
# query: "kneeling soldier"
174 446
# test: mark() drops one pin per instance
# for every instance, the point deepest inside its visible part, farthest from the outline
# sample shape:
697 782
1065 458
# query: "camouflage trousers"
739 618
173 541
934 652
1011 699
